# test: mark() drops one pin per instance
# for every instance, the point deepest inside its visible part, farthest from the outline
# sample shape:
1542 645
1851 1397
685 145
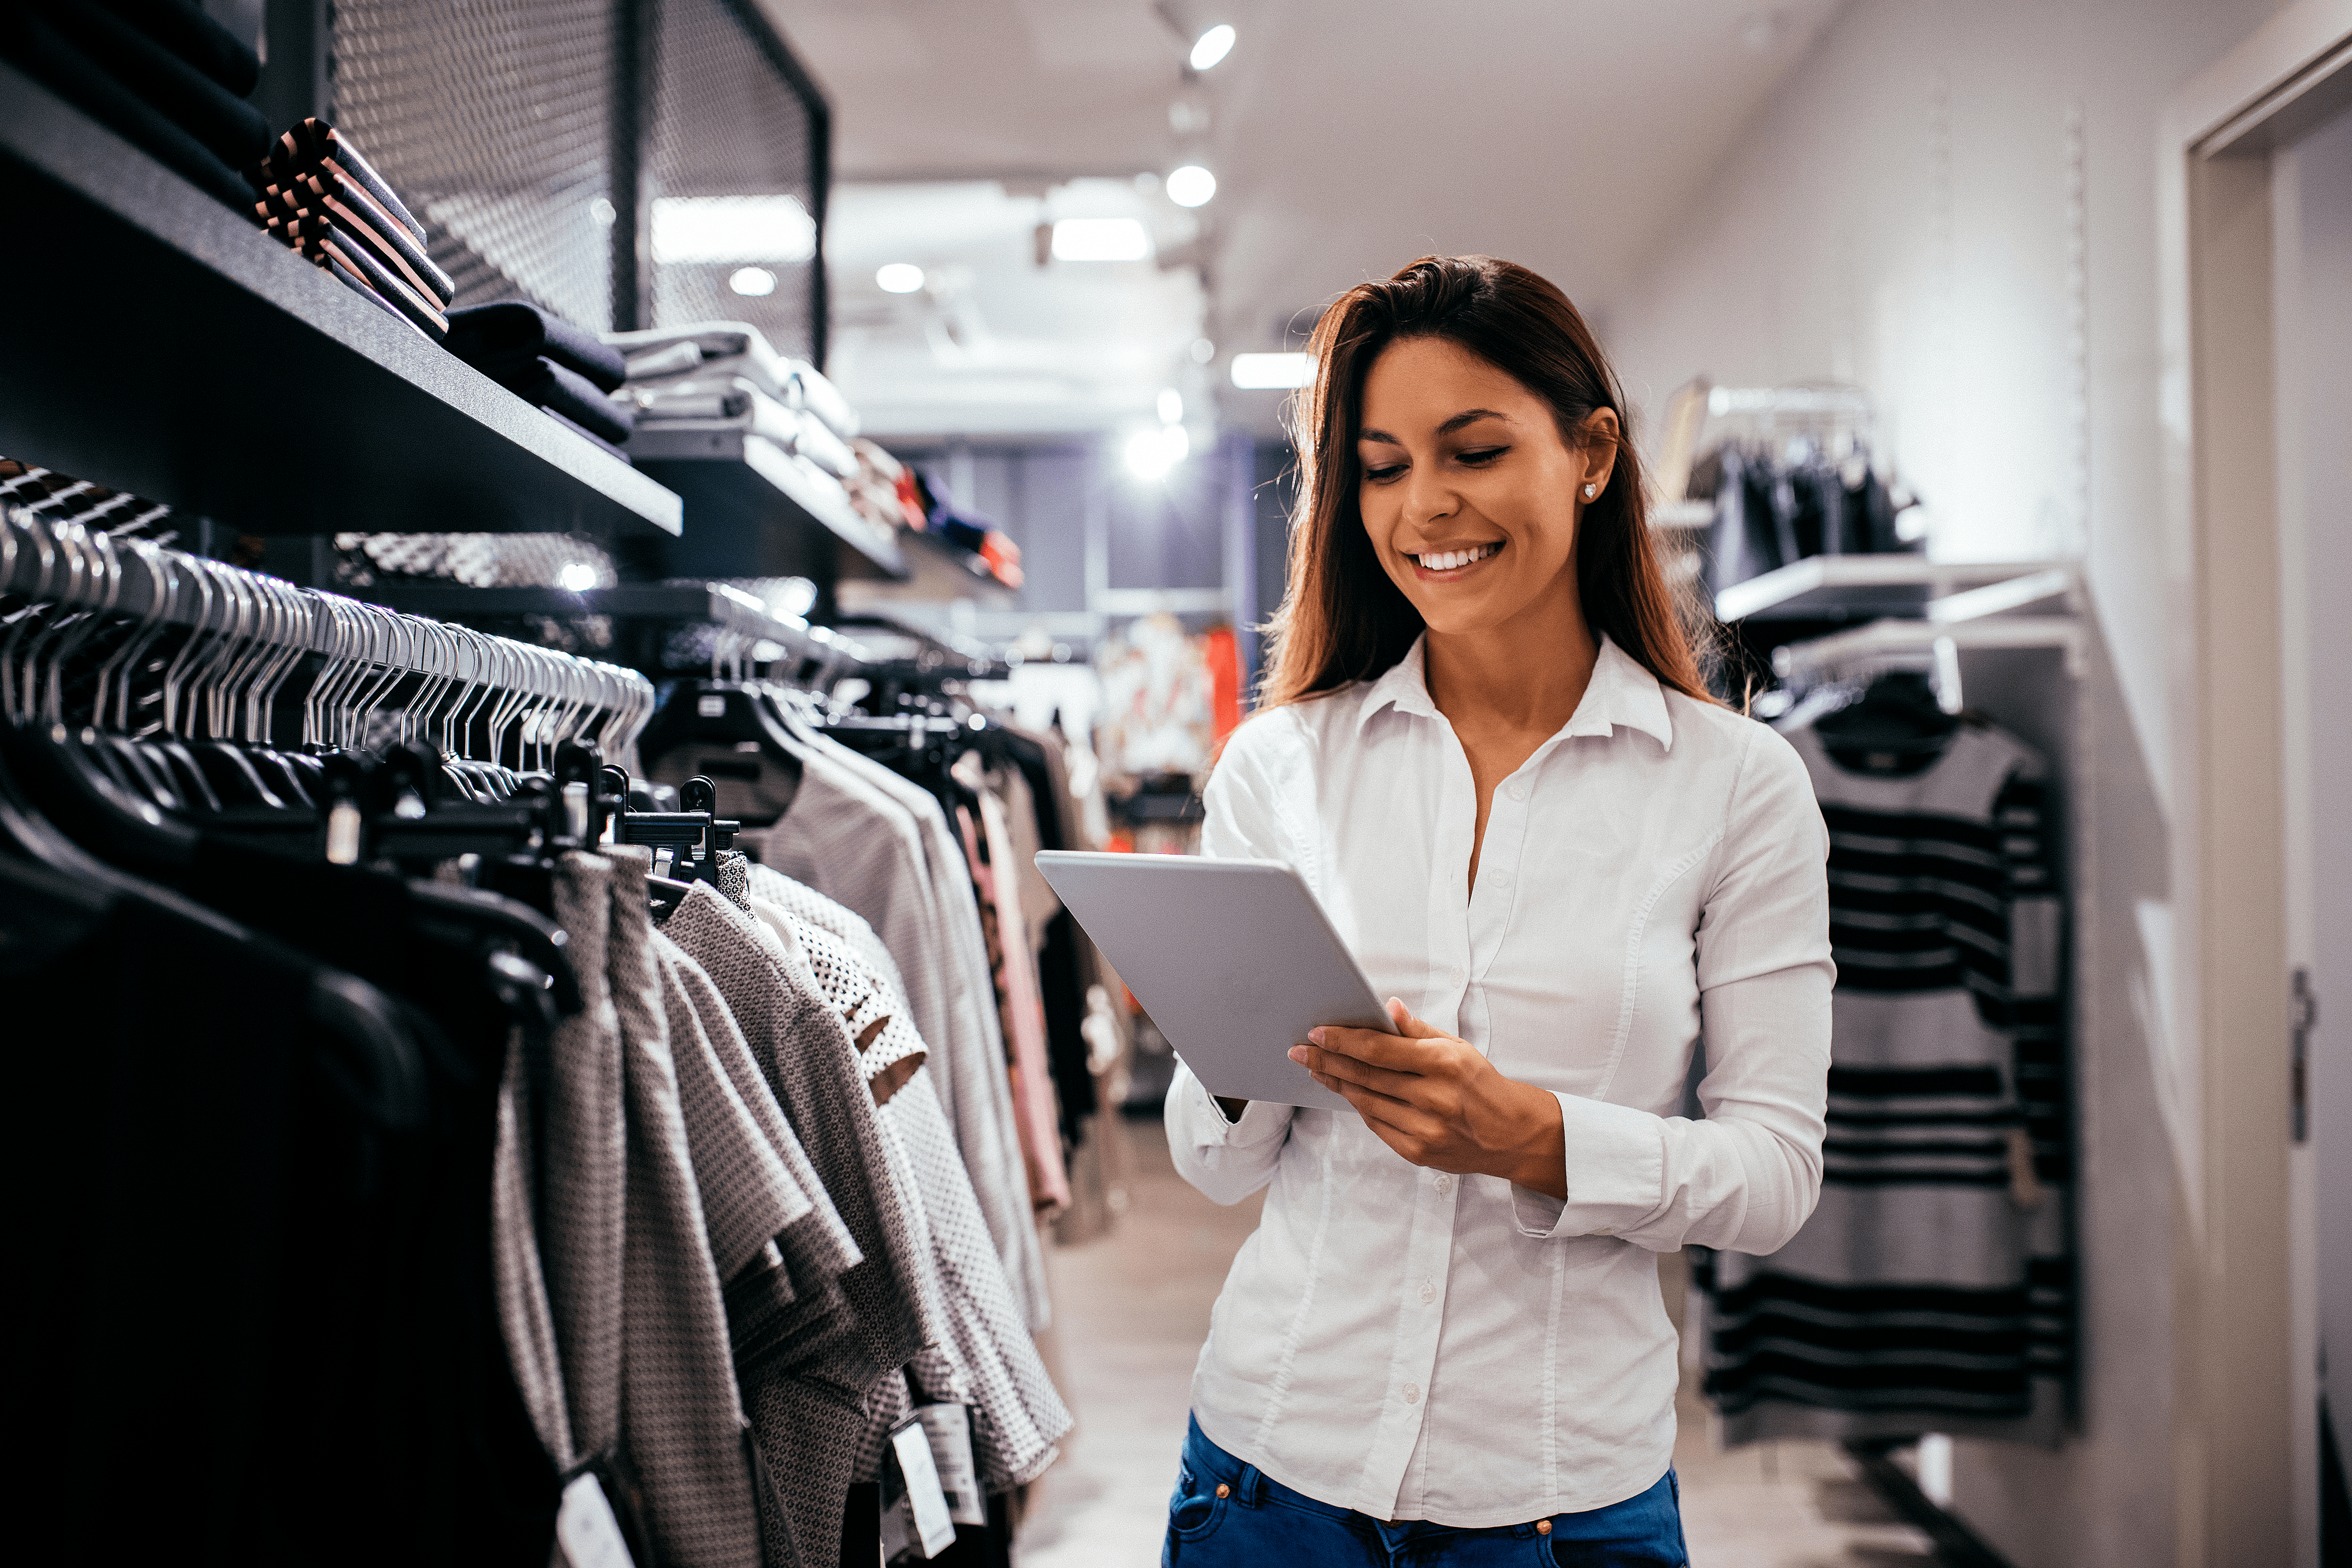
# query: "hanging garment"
682 1423
989 850
810 1418
990 1360
1931 1291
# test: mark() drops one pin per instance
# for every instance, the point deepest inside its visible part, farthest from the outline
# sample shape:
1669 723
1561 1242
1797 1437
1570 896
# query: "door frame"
2241 1350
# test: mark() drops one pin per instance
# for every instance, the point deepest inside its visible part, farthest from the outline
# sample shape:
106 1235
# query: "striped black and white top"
1931 1289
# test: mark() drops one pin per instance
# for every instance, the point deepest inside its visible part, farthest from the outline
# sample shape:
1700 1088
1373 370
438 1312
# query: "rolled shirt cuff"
1204 1120
1616 1172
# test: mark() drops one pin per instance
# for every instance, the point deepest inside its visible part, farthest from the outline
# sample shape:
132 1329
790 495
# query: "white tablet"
1234 960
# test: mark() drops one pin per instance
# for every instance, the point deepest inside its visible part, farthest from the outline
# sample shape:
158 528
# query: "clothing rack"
253 631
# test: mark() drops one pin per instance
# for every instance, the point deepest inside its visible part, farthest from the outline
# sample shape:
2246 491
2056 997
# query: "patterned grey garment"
845 841
583 1167
525 1323
682 1421
990 1361
809 1405
804 903
731 872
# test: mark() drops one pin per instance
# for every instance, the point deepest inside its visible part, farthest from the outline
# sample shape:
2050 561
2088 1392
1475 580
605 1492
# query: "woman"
1487 747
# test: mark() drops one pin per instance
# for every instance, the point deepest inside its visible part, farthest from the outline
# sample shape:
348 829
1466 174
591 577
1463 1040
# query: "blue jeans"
1226 1514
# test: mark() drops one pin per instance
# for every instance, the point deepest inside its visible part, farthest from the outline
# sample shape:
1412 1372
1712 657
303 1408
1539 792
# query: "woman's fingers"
1396 1085
1392 1051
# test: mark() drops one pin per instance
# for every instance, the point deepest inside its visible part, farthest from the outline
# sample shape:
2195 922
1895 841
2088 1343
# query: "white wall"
1955 206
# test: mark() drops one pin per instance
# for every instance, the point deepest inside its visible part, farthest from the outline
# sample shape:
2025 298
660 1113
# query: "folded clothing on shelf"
315 147
572 396
736 400
509 339
701 350
317 235
110 68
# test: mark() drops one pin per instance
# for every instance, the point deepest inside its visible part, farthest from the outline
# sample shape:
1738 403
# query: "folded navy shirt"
558 391
183 27
505 341
229 128
46 55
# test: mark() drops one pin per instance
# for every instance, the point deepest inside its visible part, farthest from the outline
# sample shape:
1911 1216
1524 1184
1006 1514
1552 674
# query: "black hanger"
733 739
1899 715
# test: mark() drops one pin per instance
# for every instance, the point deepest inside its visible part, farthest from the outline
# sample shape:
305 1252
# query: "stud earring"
1591 491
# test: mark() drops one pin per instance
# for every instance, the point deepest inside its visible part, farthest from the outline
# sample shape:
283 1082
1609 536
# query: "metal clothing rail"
251 633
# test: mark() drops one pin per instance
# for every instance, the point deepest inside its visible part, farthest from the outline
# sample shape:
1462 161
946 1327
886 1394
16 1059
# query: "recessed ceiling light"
898 278
689 229
1212 46
576 577
1100 239
1203 351
753 281
1149 454
1273 372
1192 185
1171 405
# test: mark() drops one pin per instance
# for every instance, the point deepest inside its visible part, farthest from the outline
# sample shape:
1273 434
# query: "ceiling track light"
1207 37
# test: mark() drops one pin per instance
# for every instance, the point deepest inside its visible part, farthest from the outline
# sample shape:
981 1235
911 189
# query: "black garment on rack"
262 1185
507 341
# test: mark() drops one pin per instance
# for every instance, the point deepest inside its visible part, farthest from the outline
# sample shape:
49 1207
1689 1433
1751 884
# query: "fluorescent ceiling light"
754 281
1212 46
1279 372
898 278
1192 185
1100 239
689 229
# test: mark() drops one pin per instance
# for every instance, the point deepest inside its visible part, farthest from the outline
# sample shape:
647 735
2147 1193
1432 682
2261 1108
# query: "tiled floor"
1132 1308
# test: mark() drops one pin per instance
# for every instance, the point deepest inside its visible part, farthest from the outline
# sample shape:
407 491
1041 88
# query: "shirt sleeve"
1747 1176
1227 1161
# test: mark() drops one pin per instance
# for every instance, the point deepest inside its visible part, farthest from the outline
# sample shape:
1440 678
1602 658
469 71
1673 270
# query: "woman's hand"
1439 1103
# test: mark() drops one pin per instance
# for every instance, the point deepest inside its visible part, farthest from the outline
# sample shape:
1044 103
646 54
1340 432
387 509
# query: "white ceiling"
1347 136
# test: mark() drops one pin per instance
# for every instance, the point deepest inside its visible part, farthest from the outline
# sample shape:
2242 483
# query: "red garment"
1222 654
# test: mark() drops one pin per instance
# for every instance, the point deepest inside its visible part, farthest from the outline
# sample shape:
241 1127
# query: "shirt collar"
1621 693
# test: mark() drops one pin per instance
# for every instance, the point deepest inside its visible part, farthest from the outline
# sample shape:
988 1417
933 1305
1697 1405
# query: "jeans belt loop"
1250 1490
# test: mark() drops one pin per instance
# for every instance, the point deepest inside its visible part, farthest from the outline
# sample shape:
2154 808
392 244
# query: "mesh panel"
725 123
492 118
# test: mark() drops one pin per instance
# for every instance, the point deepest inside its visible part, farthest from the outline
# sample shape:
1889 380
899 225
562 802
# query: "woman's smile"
1452 566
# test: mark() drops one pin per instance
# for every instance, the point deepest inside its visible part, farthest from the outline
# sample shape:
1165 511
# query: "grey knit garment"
807 1392
880 846
583 1167
990 1360
682 1421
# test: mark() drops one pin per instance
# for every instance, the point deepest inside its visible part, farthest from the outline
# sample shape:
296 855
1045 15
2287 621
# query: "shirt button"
1428 1291
1413 1394
1517 792
1457 974
1445 1185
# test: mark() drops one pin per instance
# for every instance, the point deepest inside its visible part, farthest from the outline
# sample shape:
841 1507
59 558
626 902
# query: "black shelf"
162 344
758 511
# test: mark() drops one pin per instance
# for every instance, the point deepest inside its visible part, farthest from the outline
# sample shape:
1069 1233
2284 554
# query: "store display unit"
181 353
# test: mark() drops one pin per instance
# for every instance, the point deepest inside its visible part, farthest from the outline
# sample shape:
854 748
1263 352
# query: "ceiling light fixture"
1212 46
1151 454
753 283
576 577
690 229
1100 239
1273 372
1192 186
1171 406
898 278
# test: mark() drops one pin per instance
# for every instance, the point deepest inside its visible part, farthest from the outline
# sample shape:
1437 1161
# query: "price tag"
918 1516
949 1426
586 1529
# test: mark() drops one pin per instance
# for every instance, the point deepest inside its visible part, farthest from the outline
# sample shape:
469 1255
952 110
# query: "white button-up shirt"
1420 1345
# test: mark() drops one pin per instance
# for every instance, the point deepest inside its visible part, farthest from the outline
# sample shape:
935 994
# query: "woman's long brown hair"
1343 619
